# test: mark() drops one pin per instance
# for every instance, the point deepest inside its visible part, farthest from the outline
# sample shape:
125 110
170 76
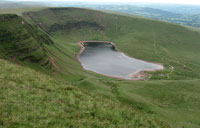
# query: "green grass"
19 11
22 42
32 99
171 95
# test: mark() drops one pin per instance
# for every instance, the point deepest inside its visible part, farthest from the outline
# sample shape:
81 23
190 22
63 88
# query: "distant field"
171 95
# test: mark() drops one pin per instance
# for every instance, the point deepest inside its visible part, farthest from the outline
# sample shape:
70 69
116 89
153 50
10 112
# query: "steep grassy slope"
21 41
32 99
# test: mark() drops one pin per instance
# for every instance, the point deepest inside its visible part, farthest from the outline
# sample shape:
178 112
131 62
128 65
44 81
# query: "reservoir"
103 58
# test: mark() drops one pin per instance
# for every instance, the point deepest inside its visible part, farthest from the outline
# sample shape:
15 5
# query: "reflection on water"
104 59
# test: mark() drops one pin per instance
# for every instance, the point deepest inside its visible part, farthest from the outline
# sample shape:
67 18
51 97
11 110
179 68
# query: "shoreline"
140 75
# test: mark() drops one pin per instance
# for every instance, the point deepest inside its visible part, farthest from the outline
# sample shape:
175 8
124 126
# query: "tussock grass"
31 99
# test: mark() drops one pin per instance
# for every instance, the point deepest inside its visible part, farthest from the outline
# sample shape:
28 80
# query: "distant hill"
150 12
180 14
174 8
195 20
11 4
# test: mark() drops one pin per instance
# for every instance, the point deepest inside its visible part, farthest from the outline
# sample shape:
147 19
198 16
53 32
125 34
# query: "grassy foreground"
31 99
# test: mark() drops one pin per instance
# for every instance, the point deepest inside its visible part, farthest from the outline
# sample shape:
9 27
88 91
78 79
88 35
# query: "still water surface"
104 59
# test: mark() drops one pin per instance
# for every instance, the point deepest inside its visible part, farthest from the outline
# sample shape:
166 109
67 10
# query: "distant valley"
179 14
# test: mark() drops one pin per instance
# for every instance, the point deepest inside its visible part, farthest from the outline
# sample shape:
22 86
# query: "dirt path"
54 63
16 61
172 70
155 43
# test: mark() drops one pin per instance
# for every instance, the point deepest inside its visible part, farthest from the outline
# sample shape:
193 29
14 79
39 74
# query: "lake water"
104 59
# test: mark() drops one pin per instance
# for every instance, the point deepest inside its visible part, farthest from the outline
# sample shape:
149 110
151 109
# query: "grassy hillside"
168 96
32 99
171 95
175 46
21 41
